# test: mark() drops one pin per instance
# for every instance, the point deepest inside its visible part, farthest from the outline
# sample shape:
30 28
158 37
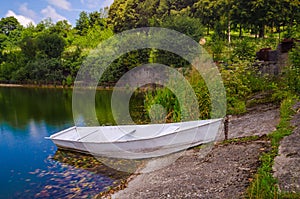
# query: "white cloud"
50 12
27 12
107 3
63 4
92 4
25 21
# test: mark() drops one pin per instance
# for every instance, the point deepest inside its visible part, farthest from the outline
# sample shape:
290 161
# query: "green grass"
264 184
242 140
289 195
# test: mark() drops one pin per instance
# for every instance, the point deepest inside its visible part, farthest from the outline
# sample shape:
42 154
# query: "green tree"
240 15
83 24
29 47
8 24
44 25
3 38
96 19
208 12
61 28
186 25
51 45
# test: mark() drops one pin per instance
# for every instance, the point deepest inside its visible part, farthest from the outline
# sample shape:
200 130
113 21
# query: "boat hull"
187 135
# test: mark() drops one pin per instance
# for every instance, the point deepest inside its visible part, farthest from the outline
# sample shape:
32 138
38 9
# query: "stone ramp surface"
260 120
225 173
287 164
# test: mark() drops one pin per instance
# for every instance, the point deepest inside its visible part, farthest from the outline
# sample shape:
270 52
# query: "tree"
96 19
51 45
3 38
208 12
240 15
116 17
83 24
44 25
61 27
8 24
128 14
184 24
29 47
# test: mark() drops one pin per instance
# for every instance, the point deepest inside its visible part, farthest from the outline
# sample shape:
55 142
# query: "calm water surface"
27 169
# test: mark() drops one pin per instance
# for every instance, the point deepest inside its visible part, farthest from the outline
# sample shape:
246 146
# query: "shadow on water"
90 163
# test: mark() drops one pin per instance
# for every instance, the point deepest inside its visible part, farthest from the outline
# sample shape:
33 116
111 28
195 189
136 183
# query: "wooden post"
226 125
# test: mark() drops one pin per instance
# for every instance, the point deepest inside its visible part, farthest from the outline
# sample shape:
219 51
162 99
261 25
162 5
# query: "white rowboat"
137 141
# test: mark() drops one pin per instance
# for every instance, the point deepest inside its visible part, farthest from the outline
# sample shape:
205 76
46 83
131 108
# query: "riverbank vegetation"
52 53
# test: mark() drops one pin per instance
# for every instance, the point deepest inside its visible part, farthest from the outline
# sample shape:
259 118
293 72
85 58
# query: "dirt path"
224 173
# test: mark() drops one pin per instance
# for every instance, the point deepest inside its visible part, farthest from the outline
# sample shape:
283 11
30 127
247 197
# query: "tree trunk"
272 27
207 29
262 31
241 31
228 30
279 31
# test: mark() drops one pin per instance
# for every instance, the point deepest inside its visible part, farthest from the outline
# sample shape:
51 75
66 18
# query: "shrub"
243 50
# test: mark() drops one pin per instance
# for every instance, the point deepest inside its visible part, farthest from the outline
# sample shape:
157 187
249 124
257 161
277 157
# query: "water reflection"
19 106
27 167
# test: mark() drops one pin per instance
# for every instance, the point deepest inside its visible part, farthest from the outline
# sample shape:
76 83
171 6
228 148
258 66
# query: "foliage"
237 87
8 24
92 37
166 98
192 27
21 48
48 53
128 14
293 71
243 50
28 47
51 45
125 63
184 24
87 21
217 47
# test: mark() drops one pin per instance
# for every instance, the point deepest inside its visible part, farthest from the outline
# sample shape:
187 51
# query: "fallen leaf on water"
48 187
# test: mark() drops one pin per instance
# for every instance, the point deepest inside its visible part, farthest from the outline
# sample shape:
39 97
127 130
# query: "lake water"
27 170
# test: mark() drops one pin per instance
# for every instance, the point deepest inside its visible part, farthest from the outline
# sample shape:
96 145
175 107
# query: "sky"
34 11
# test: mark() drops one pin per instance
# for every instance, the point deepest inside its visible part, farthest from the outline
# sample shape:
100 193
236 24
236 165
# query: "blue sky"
34 11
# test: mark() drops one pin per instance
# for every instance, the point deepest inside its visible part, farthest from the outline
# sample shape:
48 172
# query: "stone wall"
273 61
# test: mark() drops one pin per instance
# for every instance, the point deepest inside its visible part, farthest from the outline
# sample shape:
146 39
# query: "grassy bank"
264 184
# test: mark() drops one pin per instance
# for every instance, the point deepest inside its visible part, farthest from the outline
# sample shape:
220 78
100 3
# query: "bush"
170 102
292 73
243 50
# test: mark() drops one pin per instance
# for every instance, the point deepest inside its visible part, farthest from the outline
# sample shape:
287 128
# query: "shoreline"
33 86
47 86
50 86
